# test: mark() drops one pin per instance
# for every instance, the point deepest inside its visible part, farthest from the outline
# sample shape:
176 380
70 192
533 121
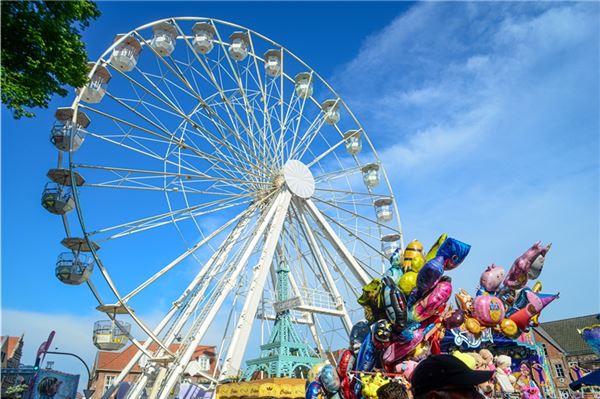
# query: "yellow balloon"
414 247
473 325
509 328
408 282
417 262
465 358
434 248
537 287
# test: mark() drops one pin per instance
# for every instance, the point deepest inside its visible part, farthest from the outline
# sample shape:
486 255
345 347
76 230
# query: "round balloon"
408 282
454 319
488 309
314 390
329 379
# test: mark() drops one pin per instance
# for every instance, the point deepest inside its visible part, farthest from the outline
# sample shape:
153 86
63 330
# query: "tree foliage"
42 51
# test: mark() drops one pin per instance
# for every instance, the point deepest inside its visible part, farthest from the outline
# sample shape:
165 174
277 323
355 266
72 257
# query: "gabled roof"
116 361
565 333
11 345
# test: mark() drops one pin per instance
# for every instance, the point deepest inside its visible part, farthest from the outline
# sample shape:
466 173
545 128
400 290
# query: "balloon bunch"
503 302
407 314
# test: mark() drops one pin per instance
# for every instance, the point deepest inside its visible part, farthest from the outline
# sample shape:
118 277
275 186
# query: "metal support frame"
237 346
322 264
177 368
361 275
140 384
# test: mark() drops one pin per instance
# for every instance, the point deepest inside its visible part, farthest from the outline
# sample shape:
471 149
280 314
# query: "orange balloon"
509 328
472 325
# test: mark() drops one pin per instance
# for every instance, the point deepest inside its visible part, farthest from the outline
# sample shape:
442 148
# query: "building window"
564 394
560 372
204 363
108 381
545 349
573 364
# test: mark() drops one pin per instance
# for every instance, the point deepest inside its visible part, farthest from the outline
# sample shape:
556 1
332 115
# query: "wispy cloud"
488 126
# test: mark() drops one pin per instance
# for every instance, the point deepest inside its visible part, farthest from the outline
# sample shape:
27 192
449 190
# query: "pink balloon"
430 305
492 277
488 309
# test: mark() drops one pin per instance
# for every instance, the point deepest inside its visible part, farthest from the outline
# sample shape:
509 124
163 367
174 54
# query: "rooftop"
565 333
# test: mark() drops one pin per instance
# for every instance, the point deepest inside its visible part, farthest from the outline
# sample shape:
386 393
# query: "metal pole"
80 359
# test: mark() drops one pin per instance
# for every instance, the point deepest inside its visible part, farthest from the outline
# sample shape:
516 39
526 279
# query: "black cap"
440 371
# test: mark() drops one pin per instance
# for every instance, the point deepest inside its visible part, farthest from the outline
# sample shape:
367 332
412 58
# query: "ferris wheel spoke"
164 99
266 111
223 95
353 214
170 140
309 135
240 86
153 221
336 174
187 253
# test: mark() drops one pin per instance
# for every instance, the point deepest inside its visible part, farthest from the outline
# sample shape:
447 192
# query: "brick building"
566 350
108 365
11 350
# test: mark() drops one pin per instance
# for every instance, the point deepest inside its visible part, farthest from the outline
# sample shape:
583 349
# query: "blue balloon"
454 252
313 390
428 277
395 273
366 356
329 379
357 334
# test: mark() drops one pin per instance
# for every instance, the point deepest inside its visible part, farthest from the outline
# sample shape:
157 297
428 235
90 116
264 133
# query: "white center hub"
298 178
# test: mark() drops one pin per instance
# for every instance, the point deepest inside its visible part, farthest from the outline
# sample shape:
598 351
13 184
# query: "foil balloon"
472 325
454 319
538 264
395 303
491 278
417 262
518 274
464 301
314 371
358 334
381 332
329 379
398 349
411 250
428 277
394 273
405 368
434 248
537 287
432 303
396 258
454 253
366 355
488 309
345 363
408 282
509 328
314 391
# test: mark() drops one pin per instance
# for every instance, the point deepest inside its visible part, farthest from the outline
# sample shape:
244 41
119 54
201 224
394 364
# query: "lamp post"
87 392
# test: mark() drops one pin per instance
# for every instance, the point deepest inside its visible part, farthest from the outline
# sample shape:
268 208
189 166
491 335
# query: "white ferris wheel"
199 156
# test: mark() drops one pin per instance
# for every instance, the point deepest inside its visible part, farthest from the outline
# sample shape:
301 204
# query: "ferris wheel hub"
299 179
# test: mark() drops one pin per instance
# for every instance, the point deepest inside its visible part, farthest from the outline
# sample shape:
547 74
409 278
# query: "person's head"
445 376
392 390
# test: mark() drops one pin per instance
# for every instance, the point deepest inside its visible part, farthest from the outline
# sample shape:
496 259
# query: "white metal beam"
179 365
362 276
322 264
237 346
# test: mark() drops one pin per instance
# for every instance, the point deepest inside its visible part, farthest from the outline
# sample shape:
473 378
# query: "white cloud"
487 126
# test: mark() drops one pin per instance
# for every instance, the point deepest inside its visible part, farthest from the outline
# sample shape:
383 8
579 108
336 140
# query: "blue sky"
485 116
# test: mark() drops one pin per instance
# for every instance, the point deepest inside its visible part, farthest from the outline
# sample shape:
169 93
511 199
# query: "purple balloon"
455 319
591 336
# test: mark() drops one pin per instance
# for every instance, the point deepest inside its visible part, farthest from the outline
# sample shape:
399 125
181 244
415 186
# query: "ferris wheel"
199 156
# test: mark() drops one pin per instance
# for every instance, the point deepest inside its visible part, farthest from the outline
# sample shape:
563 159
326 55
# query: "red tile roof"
116 361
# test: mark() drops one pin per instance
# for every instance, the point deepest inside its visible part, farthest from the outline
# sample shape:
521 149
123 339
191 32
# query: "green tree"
16 391
42 51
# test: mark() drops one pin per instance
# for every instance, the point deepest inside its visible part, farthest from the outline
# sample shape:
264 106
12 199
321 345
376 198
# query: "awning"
592 378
